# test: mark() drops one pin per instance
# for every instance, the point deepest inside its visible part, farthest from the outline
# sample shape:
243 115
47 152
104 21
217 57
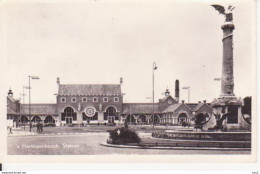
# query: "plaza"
87 141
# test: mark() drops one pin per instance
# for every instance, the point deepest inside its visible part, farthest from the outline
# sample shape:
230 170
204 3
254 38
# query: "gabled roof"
140 108
196 108
89 89
172 108
165 98
39 109
192 106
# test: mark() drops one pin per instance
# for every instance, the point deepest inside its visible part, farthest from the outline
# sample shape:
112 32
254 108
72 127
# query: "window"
95 99
73 99
105 99
111 111
63 100
116 99
84 100
68 112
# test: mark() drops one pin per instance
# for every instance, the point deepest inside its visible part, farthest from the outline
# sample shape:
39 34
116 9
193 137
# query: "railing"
214 136
192 144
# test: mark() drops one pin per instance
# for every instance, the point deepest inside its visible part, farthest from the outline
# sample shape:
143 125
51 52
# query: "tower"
177 90
227 79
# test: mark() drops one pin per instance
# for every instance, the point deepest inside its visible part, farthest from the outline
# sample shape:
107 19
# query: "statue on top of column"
227 13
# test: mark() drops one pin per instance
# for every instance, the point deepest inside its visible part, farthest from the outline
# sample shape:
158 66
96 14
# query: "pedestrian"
38 127
41 127
10 130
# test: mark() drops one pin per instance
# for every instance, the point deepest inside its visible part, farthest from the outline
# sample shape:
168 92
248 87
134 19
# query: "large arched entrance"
49 120
142 119
111 114
36 119
69 115
182 118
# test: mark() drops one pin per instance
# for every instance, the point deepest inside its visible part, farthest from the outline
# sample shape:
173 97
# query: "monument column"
227 79
227 107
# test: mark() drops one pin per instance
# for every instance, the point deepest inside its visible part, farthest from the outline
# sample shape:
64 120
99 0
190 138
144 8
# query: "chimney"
199 101
177 90
121 80
10 93
204 101
183 101
58 80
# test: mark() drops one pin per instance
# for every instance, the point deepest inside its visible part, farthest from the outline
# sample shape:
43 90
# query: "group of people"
39 127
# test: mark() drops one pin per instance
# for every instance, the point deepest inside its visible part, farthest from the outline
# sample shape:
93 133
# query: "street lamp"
154 68
23 94
187 87
33 78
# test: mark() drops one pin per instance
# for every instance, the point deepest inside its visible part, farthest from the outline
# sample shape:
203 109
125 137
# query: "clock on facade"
90 111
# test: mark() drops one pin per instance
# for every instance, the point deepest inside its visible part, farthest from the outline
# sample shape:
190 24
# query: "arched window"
156 119
182 118
111 111
24 119
142 118
68 112
130 119
49 119
36 119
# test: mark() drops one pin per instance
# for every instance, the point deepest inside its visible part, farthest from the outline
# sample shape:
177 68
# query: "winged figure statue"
227 13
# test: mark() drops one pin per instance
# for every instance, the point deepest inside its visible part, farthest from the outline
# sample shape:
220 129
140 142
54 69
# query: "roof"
192 106
165 98
39 109
140 108
172 108
196 108
89 89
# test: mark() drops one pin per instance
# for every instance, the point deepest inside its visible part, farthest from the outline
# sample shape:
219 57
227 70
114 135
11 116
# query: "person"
10 129
38 127
41 127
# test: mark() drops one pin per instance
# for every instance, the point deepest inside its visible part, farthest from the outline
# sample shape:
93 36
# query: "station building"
103 103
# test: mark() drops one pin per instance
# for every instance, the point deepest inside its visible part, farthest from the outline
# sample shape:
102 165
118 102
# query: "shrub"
125 136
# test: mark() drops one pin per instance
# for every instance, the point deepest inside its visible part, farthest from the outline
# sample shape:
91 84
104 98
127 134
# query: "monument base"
229 109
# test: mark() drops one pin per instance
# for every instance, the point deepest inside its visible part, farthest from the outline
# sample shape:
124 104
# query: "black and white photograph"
174 79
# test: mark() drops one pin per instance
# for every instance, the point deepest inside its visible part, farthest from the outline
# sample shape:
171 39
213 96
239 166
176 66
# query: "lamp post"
33 78
187 87
23 94
154 68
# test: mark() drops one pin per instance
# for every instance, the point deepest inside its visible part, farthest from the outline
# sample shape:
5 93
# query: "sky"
97 42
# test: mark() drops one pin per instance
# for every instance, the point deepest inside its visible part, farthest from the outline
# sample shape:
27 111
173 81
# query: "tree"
124 136
246 108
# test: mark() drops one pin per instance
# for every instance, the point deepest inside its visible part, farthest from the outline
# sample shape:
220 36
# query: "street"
86 144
